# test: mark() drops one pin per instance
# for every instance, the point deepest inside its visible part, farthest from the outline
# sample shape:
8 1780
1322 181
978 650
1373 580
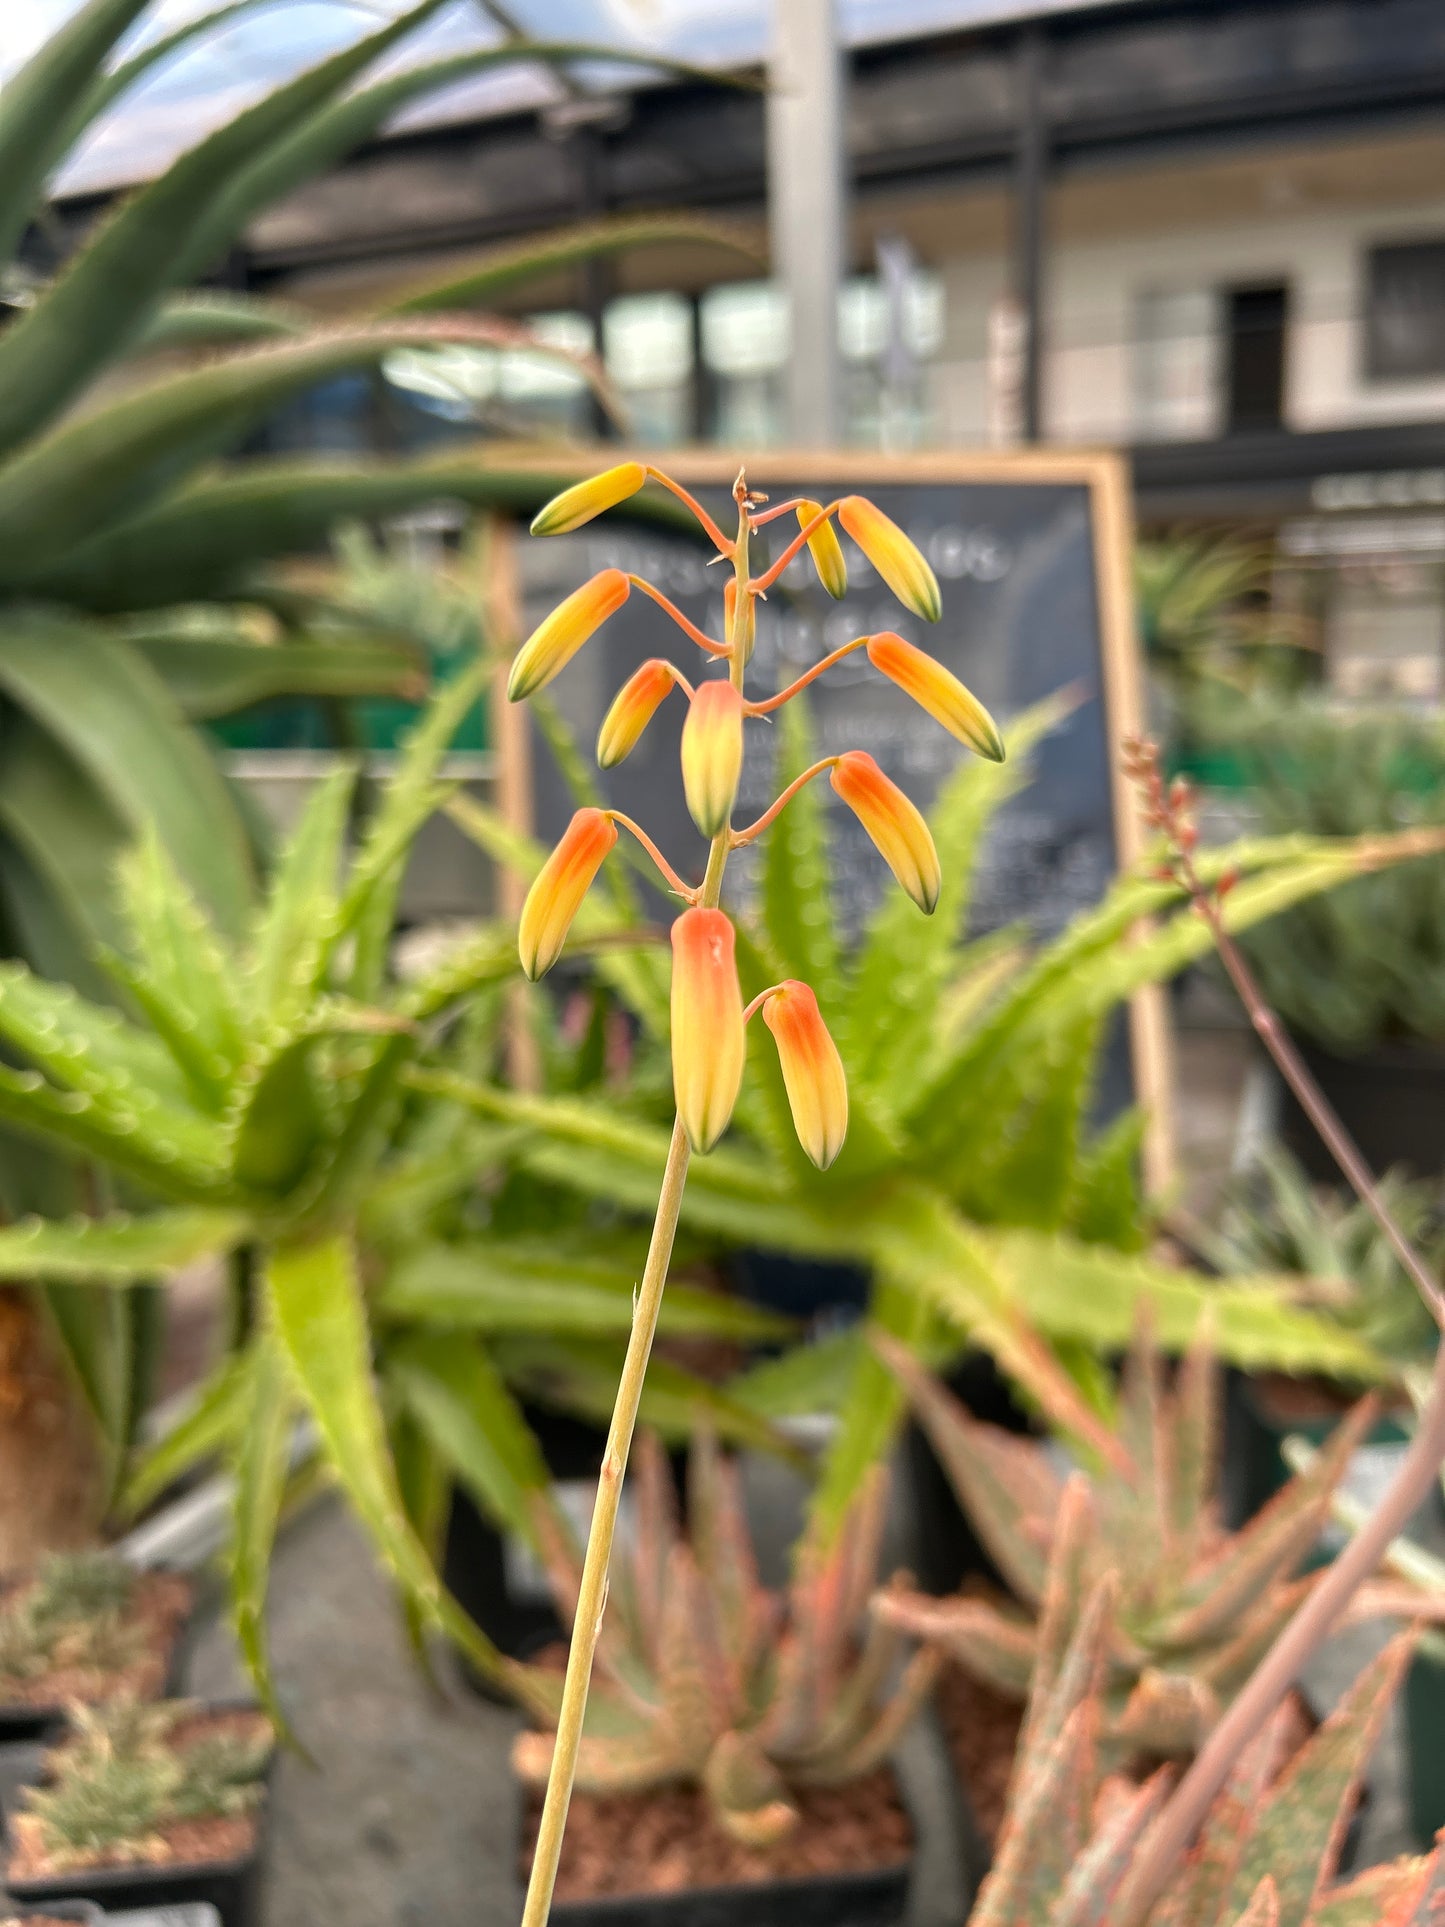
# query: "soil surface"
185 1843
160 1603
665 1841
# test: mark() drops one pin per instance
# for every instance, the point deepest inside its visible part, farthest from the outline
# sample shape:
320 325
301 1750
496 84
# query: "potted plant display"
83 1627
147 1804
1357 974
735 1760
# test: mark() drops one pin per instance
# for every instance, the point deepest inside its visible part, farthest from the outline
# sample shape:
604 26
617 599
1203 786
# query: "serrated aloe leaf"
112 714
1301 1825
38 105
176 946
83 1045
214 319
315 1299
207 1077
1402 1893
987 1643
462 1404
805 1380
295 927
110 85
109 289
216 1411
259 1462
176 1155
1093 1882
118 1249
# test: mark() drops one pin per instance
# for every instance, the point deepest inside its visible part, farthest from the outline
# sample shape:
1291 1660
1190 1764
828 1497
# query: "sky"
224 71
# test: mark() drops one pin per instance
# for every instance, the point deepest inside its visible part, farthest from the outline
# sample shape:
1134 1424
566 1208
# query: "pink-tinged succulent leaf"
559 887
1263 1908
621 1763
649 1483
717 1525
690 1672
1196 1894
712 754
1403 1893
558 637
749 1797
1166 1714
860 1546
826 550
1301 1825
709 1048
1079 1677
1194 1441
1226 1667
990 1645
1270 1546
836 1764
583 500
1045 1828
1068 1586
1093 1881
1004 1484
893 555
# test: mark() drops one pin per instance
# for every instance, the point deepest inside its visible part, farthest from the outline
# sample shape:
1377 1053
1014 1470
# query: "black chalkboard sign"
1032 557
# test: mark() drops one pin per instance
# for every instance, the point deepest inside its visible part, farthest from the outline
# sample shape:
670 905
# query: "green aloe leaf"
175 1156
112 714
175 946
84 1046
296 925
217 1411
214 675
316 1302
797 902
259 1462
96 1331
205 537
118 1249
111 85
215 319
38 104
461 1402
156 240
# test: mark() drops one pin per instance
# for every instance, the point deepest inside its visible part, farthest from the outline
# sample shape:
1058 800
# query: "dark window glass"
1254 395
1405 310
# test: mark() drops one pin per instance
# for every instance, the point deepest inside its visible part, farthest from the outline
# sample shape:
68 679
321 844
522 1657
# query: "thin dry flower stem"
665 869
709 527
809 675
689 629
592 1592
770 576
1183 1813
775 809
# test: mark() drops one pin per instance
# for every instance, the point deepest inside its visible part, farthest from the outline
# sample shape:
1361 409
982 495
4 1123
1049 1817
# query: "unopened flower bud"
580 503
708 1046
712 754
893 555
812 1071
894 823
563 881
555 641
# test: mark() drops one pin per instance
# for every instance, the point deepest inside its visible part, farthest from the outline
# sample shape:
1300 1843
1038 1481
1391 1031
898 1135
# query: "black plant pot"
21 1722
799 1287
1425 1746
1390 1098
232 1887
946 1549
878 1898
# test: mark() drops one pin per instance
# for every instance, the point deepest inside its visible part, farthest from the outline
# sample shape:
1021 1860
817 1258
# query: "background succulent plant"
707 1678
1193 1607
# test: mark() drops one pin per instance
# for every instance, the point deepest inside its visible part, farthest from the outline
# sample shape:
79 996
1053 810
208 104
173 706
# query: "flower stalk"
707 1014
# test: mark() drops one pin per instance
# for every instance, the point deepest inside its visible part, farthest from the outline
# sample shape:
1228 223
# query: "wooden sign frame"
1105 477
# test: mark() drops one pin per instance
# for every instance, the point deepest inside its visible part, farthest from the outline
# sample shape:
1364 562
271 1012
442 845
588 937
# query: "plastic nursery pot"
1391 1100
798 1287
232 1887
22 1721
945 1549
1261 1413
1425 1746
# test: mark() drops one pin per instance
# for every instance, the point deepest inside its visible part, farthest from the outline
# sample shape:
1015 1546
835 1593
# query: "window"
1254 357
1405 311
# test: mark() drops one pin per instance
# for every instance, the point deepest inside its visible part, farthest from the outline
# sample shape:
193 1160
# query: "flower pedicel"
708 1018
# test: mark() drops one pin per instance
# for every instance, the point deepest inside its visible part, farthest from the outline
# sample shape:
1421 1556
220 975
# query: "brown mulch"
161 1603
665 1841
186 1843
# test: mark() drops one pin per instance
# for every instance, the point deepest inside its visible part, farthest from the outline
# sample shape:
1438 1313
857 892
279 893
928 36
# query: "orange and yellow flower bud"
712 754
556 896
745 638
893 556
812 1071
708 1047
555 641
580 503
826 551
893 822
633 708
937 690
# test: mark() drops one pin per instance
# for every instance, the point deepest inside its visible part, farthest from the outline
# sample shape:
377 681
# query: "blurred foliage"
1209 631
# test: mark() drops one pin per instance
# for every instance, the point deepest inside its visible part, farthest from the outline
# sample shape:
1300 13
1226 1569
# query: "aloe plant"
708 1679
973 1185
1193 1607
1267 1852
134 604
254 1101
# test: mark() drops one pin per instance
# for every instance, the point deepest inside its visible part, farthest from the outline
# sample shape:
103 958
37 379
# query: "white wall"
1097 289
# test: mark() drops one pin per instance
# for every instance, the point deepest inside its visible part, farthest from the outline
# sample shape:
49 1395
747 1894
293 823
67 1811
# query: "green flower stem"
592 1593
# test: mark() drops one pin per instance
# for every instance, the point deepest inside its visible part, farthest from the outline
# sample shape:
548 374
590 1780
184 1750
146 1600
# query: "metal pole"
806 209
1032 171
